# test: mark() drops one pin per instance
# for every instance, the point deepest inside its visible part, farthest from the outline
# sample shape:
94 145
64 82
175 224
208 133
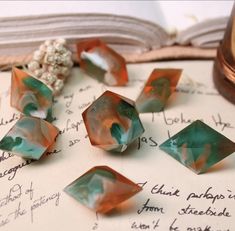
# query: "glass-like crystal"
101 62
198 147
30 96
112 122
158 88
29 138
102 189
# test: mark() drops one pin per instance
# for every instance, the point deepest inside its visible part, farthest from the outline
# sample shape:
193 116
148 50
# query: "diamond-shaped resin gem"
102 189
29 138
30 96
160 85
198 147
112 122
101 62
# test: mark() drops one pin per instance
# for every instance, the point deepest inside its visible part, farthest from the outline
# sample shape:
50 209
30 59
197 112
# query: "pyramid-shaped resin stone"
29 138
158 88
103 63
198 147
112 122
102 189
30 96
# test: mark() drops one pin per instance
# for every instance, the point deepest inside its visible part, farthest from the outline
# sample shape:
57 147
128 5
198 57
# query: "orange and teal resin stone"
30 96
198 147
102 189
101 62
158 88
112 122
29 138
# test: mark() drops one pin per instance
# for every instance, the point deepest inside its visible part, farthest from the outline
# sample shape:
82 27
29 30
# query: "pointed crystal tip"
198 147
112 122
158 88
29 138
102 189
102 62
31 96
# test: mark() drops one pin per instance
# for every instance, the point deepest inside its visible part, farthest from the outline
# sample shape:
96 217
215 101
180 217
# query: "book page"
147 10
136 29
173 197
171 15
181 15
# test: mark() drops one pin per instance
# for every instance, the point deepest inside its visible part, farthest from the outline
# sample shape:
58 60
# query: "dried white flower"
38 73
52 62
38 55
51 50
33 65
61 41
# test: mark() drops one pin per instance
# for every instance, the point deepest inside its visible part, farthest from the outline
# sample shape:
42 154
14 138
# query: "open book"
140 38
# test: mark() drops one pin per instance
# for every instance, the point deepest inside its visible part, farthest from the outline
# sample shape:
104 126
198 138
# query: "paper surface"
171 15
32 197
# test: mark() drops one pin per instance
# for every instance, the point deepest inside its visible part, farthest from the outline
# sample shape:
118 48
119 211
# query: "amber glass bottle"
224 65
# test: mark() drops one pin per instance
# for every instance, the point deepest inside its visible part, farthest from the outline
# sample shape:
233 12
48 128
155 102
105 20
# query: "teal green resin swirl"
22 147
86 188
161 86
156 98
198 143
136 128
32 103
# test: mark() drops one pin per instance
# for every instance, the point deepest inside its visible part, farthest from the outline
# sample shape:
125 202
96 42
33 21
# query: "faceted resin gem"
198 147
102 189
160 85
29 138
102 62
30 96
112 122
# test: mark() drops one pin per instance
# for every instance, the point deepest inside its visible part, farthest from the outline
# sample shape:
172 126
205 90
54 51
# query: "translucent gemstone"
102 189
112 122
198 147
160 85
29 138
30 96
103 63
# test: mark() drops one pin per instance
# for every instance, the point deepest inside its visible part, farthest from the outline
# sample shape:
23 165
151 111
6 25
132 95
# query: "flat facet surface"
102 63
112 122
160 85
30 96
29 138
198 147
102 189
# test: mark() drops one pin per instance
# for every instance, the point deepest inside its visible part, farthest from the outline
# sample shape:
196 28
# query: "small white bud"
61 41
38 73
38 55
33 65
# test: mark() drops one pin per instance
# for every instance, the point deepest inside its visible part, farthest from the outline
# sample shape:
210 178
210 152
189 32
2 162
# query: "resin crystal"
160 85
198 147
30 96
102 189
29 138
112 122
103 63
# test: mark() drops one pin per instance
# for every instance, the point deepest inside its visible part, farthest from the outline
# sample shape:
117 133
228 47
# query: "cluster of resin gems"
33 133
112 123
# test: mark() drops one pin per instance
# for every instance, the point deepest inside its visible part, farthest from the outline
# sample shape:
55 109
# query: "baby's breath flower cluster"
52 64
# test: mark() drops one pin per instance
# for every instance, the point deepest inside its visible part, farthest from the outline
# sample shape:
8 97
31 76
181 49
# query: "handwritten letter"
173 197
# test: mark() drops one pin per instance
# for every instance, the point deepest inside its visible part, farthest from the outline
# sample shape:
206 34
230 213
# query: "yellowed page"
31 194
